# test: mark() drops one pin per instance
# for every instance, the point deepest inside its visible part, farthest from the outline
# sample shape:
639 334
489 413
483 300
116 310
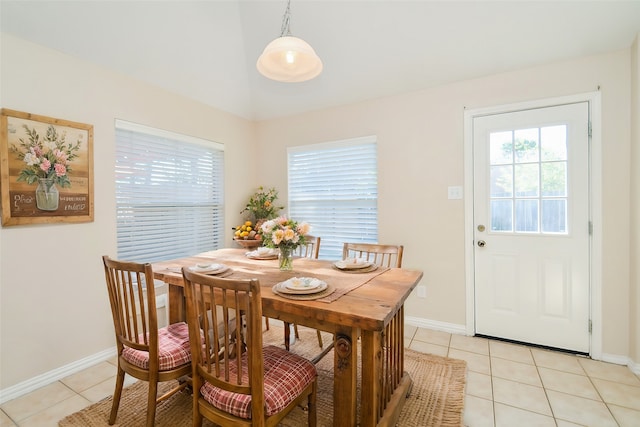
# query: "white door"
531 226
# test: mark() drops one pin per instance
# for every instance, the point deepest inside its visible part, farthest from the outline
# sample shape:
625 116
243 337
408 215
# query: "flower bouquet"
285 234
261 205
47 162
46 157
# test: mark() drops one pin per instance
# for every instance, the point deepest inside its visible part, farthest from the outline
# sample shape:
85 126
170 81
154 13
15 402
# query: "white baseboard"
622 360
421 322
614 358
47 378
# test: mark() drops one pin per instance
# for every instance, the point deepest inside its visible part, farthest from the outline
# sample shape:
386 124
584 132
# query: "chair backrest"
217 356
310 249
135 319
383 255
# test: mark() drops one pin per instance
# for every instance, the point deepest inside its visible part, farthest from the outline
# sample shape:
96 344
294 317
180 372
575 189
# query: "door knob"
481 243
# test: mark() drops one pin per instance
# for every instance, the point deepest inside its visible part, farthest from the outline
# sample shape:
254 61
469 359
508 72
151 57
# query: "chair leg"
287 335
295 330
196 415
116 396
266 323
197 419
152 402
311 402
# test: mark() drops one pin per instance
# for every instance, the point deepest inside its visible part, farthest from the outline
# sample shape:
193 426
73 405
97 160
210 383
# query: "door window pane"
526 180
554 179
554 216
527 215
553 142
525 145
501 148
501 181
502 215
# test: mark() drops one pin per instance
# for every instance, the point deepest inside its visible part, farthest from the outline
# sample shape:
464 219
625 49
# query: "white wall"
54 307
420 143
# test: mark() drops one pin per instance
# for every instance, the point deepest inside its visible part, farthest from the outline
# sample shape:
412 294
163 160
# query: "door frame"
595 205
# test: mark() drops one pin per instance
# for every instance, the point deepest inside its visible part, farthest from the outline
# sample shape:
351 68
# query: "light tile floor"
507 385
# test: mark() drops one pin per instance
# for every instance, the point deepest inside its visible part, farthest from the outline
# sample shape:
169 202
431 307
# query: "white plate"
208 269
352 263
301 285
270 254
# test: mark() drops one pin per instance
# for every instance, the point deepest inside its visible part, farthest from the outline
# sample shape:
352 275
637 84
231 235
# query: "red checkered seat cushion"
285 376
174 350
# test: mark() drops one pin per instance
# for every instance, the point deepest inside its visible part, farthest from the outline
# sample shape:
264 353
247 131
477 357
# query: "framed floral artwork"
46 169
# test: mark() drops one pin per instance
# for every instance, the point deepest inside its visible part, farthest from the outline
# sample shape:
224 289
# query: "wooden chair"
144 351
383 255
310 249
234 385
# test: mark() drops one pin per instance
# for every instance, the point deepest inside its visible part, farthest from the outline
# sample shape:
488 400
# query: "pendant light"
288 58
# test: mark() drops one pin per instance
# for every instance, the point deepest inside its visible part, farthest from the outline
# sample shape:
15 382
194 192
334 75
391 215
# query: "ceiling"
207 50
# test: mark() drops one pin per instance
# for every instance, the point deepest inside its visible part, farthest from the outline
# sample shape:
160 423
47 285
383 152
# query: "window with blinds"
334 187
169 194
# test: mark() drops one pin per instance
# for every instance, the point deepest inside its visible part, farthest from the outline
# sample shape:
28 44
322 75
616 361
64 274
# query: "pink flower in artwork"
60 169
61 156
45 165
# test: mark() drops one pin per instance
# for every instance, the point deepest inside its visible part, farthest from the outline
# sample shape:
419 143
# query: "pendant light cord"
286 21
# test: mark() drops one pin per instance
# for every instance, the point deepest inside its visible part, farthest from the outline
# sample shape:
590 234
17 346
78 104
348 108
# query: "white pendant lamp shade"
289 59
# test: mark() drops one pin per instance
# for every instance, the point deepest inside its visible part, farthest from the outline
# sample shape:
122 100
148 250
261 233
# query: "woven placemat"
306 297
437 397
368 269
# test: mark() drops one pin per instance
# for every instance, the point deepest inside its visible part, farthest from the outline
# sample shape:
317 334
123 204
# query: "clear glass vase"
285 259
47 195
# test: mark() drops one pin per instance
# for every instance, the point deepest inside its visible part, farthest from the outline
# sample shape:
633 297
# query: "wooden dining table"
364 311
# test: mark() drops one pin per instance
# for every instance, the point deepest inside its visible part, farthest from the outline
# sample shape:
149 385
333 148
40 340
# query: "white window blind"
169 194
334 187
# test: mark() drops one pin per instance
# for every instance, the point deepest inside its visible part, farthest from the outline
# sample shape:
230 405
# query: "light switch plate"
455 192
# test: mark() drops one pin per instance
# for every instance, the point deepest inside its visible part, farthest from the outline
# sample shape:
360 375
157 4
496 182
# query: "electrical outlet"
422 291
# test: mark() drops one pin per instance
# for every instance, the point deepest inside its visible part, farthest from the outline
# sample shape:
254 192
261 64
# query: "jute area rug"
437 397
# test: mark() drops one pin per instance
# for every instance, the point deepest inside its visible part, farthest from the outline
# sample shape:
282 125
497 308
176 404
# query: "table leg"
371 377
385 385
345 375
176 304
